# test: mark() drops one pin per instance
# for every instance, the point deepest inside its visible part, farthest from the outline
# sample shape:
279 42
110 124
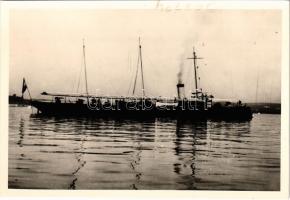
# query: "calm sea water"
59 153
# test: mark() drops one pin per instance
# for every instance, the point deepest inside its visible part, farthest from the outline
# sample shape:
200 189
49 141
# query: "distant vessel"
199 106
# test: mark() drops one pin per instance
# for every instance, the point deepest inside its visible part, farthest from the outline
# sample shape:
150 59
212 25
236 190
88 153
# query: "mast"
194 58
140 51
141 66
257 87
195 70
136 74
86 79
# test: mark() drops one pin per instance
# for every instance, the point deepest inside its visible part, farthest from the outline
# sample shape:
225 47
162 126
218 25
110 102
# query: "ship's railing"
43 100
103 97
101 102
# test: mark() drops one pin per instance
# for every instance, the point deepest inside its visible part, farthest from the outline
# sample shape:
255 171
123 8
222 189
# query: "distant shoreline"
266 108
14 99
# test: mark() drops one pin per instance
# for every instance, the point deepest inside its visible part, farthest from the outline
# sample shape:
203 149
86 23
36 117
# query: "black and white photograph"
145 99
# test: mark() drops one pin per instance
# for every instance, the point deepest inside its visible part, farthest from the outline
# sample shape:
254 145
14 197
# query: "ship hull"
72 109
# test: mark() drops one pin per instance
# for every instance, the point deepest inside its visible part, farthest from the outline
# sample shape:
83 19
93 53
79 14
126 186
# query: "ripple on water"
68 153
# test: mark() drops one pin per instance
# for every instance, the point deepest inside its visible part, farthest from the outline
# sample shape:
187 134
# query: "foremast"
85 66
141 67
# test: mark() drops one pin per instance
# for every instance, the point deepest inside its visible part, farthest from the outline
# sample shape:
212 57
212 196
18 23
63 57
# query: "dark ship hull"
237 113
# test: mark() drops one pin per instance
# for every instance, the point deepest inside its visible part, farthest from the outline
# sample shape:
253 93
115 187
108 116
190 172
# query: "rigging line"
271 90
136 74
132 75
73 85
79 79
198 77
231 84
143 87
257 86
85 68
75 81
188 80
132 79
150 62
195 70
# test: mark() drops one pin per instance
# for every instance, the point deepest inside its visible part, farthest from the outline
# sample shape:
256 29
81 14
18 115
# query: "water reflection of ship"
136 159
198 106
79 154
195 148
21 133
187 155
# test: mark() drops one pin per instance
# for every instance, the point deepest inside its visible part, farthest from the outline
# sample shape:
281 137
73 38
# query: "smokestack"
180 90
180 85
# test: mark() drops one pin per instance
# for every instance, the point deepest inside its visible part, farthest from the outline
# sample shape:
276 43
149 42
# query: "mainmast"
85 66
194 58
141 66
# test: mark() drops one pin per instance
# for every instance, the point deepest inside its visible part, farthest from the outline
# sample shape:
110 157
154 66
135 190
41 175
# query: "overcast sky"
241 49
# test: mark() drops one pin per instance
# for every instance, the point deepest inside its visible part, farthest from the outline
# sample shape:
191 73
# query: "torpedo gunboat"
199 106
